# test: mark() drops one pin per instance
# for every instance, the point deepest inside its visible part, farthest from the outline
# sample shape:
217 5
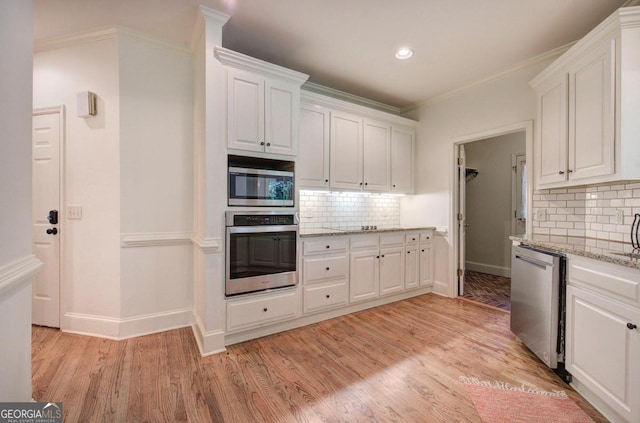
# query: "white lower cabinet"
391 270
603 339
426 259
247 313
323 296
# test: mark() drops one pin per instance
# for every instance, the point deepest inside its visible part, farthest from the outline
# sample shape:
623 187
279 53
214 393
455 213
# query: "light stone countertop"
615 252
318 232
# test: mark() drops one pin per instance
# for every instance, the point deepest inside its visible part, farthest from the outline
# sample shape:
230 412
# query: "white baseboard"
119 329
209 343
441 288
488 268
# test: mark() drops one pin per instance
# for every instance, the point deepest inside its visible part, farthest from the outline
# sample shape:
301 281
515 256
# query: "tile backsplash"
320 209
592 211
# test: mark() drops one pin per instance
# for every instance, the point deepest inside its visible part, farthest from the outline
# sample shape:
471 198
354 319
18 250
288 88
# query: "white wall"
16 44
90 287
488 203
127 264
156 182
500 102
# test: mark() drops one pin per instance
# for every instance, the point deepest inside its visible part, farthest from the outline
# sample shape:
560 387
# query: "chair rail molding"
17 272
154 239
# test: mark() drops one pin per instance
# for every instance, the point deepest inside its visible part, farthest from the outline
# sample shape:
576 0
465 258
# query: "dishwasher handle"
533 261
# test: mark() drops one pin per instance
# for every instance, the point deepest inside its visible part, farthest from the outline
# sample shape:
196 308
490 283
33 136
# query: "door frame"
60 110
514 190
524 126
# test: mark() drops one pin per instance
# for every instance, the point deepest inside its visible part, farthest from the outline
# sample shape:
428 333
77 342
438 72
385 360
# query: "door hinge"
460 272
460 161
460 216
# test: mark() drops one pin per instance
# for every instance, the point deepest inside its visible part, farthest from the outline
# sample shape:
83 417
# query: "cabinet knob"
422 251
631 326
366 183
413 239
382 256
261 142
326 181
328 296
428 237
328 246
561 172
360 183
377 256
265 309
408 252
268 144
570 171
327 268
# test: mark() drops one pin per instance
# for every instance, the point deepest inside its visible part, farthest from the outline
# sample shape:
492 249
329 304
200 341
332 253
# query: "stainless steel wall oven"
261 251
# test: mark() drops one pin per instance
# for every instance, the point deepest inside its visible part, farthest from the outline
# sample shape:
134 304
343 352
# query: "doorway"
491 169
47 167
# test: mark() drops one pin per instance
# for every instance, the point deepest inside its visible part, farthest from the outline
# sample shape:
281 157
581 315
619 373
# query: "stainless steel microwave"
260 187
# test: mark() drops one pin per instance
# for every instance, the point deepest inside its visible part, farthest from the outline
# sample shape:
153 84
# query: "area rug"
498 402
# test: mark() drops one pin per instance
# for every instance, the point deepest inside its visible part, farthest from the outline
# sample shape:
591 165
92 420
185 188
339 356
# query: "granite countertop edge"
337 232
604 250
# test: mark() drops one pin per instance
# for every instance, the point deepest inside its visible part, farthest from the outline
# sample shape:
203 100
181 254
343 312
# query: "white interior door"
462 185
46 203
519 194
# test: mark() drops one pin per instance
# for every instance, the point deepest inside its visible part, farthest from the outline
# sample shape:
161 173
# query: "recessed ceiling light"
404 53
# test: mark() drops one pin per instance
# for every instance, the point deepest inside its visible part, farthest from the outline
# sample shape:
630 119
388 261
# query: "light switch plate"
74 211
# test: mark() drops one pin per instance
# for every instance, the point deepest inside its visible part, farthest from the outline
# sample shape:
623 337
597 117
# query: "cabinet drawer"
426 236
610 278
326 245
393 240
325 267
364 242
250 312
411 238
324 296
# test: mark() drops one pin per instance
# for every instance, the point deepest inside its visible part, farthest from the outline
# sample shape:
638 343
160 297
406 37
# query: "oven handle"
533 261
261 229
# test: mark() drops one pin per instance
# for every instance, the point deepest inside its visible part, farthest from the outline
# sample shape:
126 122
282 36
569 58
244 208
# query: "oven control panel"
247 219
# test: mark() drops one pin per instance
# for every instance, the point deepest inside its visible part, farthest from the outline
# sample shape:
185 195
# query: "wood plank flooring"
395 363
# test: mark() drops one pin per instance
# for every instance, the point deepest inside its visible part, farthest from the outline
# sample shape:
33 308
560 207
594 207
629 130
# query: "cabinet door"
602 352
376 162
245 111
346 151
282 105
591 117
552 136
363 276
391 270
313 154
402 154
426 265
411 268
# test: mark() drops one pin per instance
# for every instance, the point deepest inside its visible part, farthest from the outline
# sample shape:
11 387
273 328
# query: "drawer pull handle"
631 326
561 172
265 309
327 268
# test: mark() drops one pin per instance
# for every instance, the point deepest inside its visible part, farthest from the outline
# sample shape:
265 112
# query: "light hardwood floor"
399 362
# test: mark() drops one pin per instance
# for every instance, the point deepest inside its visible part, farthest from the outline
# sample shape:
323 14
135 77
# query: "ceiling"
349 45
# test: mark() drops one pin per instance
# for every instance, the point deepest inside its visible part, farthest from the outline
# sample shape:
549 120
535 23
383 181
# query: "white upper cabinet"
263 104
376 151
349 147
402 157
587 129
346 151
313 155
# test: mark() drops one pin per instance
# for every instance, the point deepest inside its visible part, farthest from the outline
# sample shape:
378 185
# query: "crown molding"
206 15
241 61
630 16
351 98
78 38
544 57
631 3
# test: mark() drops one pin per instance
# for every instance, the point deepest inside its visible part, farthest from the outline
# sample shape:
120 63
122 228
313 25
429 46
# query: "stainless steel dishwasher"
538 302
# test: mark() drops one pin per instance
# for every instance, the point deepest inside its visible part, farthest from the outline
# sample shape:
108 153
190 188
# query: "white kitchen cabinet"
402 159
376 152
426 253
325 274
312 169
251 312
586 129
263 104
602 336
392 261
364 273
